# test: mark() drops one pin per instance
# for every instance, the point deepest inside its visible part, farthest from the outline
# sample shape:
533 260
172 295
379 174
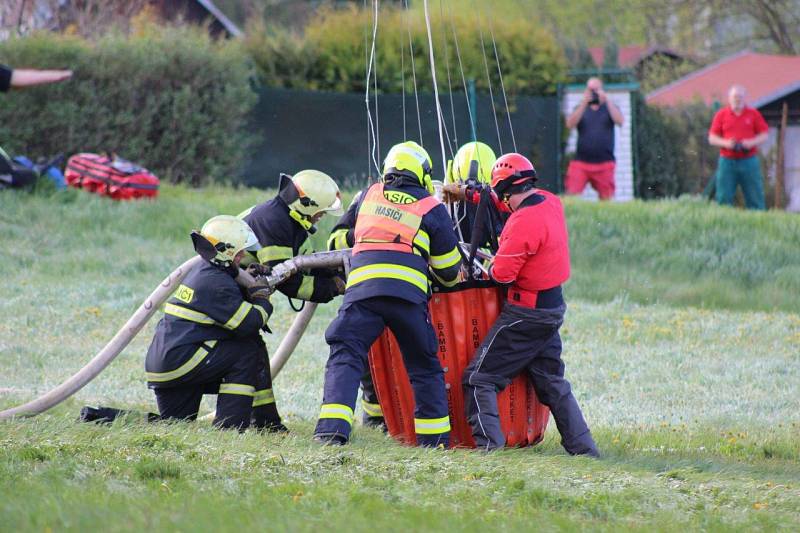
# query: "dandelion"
760 505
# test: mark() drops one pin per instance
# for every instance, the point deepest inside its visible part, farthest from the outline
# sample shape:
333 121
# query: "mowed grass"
688 374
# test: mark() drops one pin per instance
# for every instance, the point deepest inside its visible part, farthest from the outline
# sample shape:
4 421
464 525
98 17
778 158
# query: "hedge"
673 154
331 54
169 99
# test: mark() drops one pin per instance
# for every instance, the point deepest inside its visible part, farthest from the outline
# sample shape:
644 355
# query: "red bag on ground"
460 319
110 176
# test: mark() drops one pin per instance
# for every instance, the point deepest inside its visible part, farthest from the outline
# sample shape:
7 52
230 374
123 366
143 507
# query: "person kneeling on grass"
209 342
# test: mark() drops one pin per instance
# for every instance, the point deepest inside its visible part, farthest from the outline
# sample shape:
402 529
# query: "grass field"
681 341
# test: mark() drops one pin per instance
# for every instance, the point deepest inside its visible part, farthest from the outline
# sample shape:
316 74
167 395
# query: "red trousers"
600 175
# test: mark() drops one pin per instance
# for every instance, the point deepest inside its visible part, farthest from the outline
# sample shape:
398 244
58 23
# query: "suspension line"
439 119
502 85
488 79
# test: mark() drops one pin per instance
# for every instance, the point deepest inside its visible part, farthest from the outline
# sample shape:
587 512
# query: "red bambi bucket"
116 178
461 320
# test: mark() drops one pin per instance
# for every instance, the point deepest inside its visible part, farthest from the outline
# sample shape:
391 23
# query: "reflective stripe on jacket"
400 274
207 307
383 225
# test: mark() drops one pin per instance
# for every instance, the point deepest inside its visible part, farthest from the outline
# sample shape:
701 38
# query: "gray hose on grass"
111 350
148 308
291 339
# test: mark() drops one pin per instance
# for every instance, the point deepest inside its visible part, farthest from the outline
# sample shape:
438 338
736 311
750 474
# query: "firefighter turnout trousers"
523 340
350 336
235 369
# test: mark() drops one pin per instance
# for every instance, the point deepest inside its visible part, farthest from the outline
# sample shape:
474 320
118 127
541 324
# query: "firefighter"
533 262
398 232
283 224
209 342
471 169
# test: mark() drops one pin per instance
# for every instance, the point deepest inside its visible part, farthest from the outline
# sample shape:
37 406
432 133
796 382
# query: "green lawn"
681 343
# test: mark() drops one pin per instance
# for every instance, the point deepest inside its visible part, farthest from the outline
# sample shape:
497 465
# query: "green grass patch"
687 372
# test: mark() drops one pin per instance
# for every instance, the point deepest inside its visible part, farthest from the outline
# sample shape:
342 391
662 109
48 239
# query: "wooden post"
780 169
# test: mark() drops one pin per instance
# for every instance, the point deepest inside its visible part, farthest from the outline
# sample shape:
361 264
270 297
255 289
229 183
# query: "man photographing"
595 118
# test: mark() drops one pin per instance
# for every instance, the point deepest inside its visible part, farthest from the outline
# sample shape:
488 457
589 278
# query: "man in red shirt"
533 261
738 130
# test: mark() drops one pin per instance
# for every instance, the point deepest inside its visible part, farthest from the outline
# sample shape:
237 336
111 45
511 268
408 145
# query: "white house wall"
791 164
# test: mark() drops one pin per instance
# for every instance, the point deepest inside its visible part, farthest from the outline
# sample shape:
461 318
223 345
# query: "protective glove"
340 284
454 192
258 270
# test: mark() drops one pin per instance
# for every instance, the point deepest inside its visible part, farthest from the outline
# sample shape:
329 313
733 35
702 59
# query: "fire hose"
148 308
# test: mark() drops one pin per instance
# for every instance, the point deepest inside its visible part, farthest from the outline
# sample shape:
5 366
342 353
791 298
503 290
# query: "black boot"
100 415
266 418
107 415
374 422
328 439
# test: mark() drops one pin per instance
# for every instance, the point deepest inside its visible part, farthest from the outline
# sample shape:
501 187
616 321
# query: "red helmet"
510 170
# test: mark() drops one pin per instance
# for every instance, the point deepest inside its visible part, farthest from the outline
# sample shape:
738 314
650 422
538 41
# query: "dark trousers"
352 333
523 340
237 370
746 173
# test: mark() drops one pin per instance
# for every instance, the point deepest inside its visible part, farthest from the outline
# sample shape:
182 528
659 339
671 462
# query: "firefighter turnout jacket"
282 237
533 258
207 308
396 233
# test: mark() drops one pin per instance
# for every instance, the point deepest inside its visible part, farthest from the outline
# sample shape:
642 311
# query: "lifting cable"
372 147
463 77
413 68
403 81
449 80
502 85
488 77
439 118
366 84
377 145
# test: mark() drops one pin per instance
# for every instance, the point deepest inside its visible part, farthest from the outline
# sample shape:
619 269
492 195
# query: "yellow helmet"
312 192
411 160
228 235
474 161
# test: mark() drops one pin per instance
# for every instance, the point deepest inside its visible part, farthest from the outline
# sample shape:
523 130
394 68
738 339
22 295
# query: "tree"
720 27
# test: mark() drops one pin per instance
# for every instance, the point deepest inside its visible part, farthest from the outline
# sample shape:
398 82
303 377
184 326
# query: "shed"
773 87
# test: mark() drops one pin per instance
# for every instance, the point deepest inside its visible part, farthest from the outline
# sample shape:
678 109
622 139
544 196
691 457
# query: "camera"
595 98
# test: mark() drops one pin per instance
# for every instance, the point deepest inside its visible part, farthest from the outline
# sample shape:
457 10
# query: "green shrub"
672 150
169 99
331 53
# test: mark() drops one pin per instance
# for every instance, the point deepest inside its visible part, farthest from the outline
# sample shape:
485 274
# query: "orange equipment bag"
460 319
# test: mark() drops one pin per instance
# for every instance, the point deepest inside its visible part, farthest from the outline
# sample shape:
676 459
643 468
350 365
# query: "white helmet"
229 236
312 192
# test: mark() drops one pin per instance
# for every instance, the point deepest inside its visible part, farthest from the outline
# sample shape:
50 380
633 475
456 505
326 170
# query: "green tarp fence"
328 131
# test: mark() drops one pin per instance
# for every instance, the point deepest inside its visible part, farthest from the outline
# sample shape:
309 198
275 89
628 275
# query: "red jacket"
534 248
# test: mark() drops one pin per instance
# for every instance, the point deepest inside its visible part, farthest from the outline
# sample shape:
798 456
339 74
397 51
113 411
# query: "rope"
449 80
377 145
366 95
489 80
439 118
461 68
413 70
366 83
403 82
502 85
